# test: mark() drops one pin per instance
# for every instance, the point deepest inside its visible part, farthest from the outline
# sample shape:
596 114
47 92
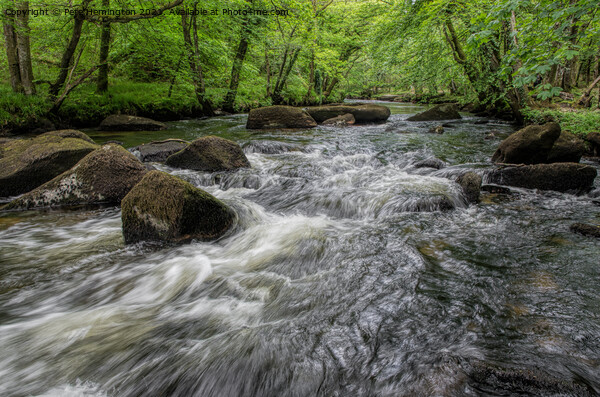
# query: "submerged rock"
431 162
496 189
446 111
124 122
270 147
104 176
530 145
561 177
279 117
163 207
586 229
28 163
493 380
436 130
363 113
471 185
159 151
344 119
210 153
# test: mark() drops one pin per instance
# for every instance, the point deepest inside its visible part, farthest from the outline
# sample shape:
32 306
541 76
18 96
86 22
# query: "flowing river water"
346 275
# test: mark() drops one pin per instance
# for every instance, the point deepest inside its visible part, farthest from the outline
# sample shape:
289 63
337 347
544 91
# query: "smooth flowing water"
346 276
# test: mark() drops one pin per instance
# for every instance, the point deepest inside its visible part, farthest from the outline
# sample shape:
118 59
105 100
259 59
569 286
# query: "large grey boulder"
445 111
530 145
124 122
279 117
210 153
561 177
104 176
28 163
163 207
363 113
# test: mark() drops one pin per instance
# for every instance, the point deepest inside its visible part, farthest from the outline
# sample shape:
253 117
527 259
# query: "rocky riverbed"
357 265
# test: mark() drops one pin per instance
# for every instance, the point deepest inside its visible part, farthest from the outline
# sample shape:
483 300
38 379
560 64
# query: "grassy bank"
577 121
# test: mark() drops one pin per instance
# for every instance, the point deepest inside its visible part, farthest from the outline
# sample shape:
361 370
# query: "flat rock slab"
28 163
363 113
123 122
560 177
158 151
344 119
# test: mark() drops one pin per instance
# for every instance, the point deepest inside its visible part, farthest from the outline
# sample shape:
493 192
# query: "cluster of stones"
66 168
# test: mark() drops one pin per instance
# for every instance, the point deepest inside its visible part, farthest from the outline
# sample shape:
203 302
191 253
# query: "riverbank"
84 108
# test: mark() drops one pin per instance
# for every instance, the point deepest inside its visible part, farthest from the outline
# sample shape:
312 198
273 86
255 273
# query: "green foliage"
579 123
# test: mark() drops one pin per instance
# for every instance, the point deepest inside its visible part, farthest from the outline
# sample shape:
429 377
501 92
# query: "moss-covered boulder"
104 176
27 163
279 117
561 177
124 122
210 153
159 151
568 148
471 186
163 207
530 145
445 111
363 113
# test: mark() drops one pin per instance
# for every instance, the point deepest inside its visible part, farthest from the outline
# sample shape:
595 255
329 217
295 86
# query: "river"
346 276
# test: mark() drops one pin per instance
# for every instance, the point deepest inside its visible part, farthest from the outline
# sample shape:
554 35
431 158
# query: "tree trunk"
24 51
268 70
587 94
67 56
238 62
102 83
277 98
10 40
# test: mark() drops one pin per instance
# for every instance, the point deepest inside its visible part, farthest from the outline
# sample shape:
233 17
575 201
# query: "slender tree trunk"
311 78
238 62
277 98
10 42
193 50
102 83
268 70
24 51
67 56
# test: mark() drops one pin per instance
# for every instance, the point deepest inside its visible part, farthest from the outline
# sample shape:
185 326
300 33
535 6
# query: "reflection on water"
353 273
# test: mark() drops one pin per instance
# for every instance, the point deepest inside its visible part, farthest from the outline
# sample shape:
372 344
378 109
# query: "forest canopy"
158 55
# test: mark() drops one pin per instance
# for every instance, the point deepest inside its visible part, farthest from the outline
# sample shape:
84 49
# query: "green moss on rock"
210 153
530 145
104 176
163 207
27 163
